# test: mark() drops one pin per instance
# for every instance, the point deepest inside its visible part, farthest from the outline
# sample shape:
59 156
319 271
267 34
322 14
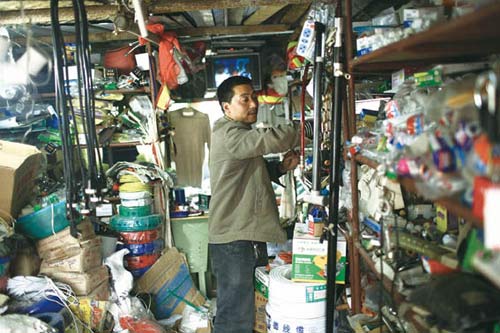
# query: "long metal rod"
319 66
335 155
355 271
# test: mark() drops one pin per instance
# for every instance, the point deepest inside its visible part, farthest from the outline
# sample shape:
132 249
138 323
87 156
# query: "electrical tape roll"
139 237
295 299
136 202
138 262
279 323
137 273
121 223
142 249
138 211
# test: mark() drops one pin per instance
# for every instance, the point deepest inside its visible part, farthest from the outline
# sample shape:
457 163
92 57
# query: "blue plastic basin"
43 223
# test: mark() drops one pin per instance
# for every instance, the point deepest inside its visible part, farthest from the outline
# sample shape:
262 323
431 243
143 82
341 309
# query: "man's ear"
225 107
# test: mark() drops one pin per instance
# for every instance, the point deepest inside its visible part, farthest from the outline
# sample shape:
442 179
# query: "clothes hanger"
189 111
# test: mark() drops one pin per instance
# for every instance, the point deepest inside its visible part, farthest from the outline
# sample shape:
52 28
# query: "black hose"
63 114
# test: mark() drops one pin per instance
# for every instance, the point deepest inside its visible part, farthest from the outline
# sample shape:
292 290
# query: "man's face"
243 106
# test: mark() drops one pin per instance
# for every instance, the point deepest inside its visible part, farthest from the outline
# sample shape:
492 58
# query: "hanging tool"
303 118
315 197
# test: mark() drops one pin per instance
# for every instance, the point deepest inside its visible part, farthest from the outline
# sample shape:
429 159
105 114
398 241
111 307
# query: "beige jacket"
243 204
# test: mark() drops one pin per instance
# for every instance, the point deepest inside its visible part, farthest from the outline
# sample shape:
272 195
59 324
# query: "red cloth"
169 69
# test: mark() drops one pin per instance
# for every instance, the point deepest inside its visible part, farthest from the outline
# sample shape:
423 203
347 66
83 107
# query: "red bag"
119 59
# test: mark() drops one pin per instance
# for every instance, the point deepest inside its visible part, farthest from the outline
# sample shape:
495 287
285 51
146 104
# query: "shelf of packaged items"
452 204
387 283
464 38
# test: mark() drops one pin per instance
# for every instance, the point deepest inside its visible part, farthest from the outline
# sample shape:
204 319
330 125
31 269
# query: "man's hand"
290 161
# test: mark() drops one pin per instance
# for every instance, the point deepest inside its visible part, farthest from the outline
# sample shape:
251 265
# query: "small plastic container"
179 214
121 223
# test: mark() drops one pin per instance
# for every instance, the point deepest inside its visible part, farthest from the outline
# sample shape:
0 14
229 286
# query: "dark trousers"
233 265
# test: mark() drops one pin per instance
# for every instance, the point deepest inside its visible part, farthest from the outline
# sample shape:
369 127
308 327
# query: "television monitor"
220 67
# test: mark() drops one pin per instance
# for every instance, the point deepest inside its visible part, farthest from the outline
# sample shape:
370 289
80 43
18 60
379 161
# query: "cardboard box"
86 258
101 292
63 245
260 324
171 284
309 258
315 226
261 282
19 166
82 283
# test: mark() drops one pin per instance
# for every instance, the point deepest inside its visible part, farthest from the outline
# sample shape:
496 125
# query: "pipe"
303 119
351 124
319 66
334 182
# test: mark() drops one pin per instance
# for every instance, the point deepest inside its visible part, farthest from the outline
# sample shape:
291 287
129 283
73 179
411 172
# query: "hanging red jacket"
169 69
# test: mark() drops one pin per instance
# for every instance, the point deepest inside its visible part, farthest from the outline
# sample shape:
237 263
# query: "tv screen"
220 67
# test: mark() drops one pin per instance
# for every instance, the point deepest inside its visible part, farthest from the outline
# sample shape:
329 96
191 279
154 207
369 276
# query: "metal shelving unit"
471 37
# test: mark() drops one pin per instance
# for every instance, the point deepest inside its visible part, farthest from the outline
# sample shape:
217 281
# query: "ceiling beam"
203 18
184 32
294 13
231 30
262 14
298 29
107 12
235 16
165 6
37 4
66 15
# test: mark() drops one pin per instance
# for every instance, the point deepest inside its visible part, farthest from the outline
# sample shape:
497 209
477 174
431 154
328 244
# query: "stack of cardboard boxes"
76 262
261 284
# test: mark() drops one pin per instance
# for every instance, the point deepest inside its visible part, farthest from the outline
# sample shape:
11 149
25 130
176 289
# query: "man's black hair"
225 90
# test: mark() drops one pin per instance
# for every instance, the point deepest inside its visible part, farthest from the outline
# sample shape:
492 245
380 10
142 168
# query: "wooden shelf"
116 144
124 144
125 91
46 95
466 38
452 204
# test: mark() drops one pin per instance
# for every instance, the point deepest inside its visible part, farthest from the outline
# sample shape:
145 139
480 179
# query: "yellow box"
260 324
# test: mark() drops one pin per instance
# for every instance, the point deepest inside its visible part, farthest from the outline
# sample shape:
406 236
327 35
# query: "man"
243 211
273 102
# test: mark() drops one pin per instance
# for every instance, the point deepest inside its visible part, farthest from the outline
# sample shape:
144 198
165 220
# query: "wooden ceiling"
189 18
186 17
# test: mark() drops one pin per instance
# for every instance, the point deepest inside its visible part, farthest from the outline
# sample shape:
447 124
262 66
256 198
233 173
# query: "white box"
142 60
